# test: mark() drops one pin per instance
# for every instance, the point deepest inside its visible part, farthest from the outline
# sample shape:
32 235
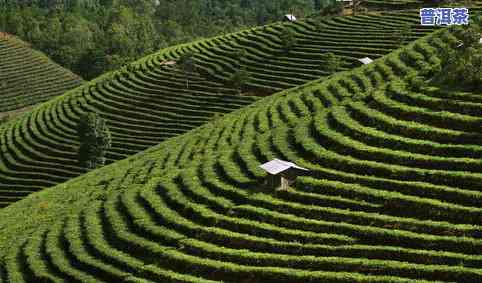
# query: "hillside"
91 37
410 4
148 102
27 77
393 194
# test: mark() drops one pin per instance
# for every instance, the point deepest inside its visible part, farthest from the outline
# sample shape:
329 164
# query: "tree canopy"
462 66
95 140
90 37
187 64
331 62
239 79
288 39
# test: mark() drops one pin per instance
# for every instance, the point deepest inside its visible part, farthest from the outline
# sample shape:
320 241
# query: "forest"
91 37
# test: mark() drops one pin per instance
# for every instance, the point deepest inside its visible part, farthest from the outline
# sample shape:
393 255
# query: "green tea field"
393 193
150 101
391 189
28 77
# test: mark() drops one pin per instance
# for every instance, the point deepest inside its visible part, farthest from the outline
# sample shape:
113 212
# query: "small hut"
169 62
290 18
366 60
281 174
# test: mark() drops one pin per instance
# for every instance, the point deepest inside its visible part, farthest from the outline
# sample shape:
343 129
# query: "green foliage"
95 140
356 6
416 82
28 77
468 35
462 63
216 117
331 8
402 35
331 62
187 64
288 39
239 79
239 54
146 102
392 195
91 37
4 119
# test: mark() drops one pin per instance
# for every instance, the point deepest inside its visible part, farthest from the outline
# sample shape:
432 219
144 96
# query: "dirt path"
16 112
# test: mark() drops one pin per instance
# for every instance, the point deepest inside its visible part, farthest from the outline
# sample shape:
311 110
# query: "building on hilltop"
366 60
290 18
281 174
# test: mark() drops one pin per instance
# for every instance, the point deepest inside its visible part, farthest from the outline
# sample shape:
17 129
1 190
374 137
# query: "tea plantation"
393 193
410 4
153 99
28 77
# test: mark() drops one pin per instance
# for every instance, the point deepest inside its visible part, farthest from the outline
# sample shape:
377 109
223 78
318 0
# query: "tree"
329 8
239 79
469 36
331 62
335 8
465 69
92 63
402 35
318 4
356 4
415 81
288 39
462 64
95 140
188 65
110 33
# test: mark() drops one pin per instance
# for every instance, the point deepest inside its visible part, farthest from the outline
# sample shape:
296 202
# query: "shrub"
416 82
95 140
288 39
402 36
187 65
239 79
331 62
463 62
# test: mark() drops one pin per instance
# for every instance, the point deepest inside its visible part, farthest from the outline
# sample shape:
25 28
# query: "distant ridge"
411 4
28 77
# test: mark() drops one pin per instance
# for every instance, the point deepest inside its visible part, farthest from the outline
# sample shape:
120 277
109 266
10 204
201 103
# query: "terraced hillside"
398 4
410 4
28 77
148 102
393 194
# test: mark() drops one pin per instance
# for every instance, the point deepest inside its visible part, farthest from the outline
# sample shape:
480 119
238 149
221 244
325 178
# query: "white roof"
290 17
480 41
365 60
276 166
171 62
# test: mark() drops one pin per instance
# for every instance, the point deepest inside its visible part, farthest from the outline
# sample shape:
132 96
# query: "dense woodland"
93 36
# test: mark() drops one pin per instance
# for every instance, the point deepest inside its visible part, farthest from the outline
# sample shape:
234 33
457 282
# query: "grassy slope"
410 4
412 205
28 77
148 102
